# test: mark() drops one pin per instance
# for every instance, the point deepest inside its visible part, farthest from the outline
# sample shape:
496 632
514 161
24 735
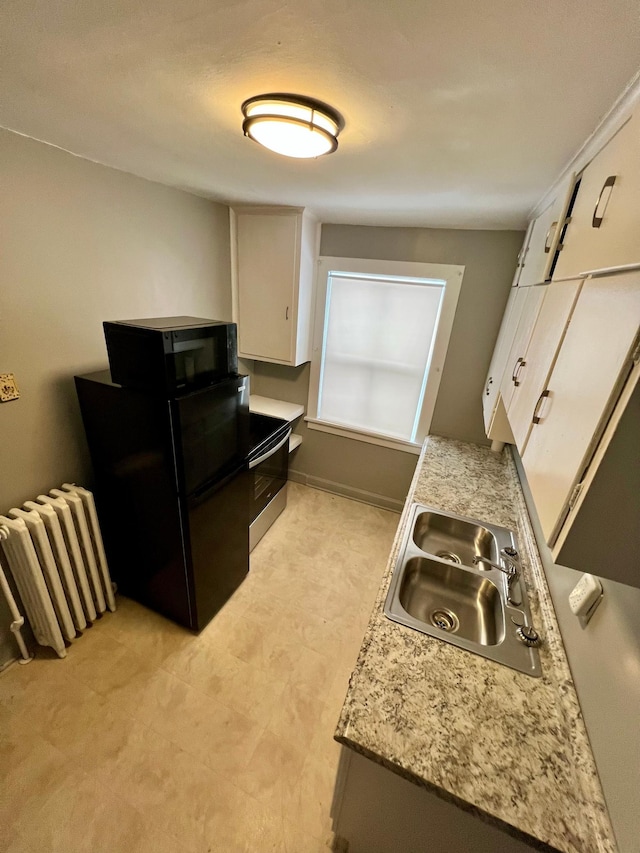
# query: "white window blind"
378 339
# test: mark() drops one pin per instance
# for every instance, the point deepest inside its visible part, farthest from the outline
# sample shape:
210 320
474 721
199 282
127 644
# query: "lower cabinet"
593 363
377 811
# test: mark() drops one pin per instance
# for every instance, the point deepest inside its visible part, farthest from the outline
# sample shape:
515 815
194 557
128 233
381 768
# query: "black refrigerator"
172 491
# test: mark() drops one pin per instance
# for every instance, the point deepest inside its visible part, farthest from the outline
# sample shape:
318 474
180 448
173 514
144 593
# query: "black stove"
268 469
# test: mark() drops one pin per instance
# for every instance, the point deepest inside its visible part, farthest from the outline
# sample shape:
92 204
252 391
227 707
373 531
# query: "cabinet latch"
575 494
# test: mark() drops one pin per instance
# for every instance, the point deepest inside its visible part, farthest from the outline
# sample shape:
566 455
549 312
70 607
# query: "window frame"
451 274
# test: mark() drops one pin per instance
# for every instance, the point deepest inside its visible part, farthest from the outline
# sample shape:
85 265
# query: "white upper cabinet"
548 333
522 254
274 250
569 417
506 334
605 220
516 364
567 360
544 235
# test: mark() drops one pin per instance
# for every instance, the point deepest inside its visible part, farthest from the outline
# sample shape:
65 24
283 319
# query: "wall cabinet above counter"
591 218
539 353
273 254
591 366
538 253
567 359
602 231
573 365
509 363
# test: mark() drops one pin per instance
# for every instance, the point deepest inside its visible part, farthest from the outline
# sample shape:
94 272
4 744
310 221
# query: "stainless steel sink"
452 600
453 539
437 589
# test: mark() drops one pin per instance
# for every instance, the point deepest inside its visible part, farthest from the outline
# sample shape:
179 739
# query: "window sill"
359 435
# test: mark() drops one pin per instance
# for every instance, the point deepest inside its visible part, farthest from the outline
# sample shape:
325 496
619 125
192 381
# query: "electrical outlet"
8 387
585 597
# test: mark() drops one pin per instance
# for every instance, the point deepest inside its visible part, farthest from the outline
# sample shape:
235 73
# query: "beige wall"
81 244
489 258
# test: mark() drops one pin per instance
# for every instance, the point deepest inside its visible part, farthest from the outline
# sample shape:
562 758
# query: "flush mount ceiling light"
292 125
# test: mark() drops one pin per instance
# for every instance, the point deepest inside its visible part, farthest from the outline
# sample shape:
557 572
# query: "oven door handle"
255 462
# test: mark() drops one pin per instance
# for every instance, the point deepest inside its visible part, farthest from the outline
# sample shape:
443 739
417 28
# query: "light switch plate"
8 387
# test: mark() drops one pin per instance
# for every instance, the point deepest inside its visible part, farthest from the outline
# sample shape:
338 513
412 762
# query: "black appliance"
268 471
172 490
171 354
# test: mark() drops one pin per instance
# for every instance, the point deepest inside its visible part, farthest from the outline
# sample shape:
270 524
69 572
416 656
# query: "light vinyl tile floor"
148 739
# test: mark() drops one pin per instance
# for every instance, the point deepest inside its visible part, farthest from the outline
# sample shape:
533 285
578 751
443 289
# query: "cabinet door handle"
537 417
547 241
596 222
517 367
286 313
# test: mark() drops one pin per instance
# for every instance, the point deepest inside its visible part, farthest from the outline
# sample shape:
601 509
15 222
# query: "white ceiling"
458 113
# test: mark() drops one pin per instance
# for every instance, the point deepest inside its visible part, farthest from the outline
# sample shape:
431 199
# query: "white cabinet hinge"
575 494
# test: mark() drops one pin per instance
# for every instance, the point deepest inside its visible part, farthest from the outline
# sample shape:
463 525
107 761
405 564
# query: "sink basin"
437 590
453 600
453 539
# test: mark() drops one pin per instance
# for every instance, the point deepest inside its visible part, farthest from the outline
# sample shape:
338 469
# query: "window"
381 334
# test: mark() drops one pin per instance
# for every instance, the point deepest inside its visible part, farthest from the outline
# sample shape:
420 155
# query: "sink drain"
450 556
445 619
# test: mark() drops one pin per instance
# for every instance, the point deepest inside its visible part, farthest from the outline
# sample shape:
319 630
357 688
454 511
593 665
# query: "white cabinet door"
274 252
547 336
522 254
267 269
605 220
505 337
543 239
531 298
594 359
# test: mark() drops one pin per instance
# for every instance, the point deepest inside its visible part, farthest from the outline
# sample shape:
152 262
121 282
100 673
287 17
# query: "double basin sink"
444 585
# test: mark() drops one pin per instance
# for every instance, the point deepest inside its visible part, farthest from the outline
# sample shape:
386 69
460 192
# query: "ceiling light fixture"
292 125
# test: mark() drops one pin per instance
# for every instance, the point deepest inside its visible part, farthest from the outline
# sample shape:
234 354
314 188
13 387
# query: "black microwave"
171 354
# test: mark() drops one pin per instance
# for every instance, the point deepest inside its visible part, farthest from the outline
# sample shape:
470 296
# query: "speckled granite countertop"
510 748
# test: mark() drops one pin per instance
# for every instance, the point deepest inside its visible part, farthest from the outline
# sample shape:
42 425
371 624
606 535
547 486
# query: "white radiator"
55 552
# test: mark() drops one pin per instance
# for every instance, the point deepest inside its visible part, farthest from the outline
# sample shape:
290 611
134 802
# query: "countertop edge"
447 797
